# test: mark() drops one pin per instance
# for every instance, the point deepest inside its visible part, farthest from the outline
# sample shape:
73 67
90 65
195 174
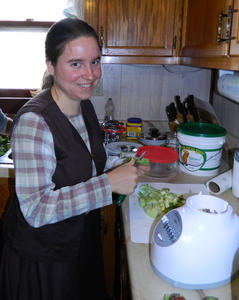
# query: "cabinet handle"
228 16
219 30
101 36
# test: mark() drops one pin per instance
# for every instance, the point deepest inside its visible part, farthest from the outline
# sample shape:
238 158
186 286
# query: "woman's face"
78 69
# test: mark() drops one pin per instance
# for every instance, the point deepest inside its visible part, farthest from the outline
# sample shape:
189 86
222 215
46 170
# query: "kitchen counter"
144 283
6 170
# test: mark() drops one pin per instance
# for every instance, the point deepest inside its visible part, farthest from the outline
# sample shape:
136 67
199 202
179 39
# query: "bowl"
163 161
153 137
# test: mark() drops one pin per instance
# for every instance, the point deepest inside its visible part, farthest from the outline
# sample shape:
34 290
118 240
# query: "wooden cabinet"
108 222
6 192
210 36
137 27
234 44
122 280
143 29
201 28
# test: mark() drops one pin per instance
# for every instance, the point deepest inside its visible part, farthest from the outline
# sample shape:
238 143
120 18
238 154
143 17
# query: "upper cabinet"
234 44
138 28
202 33
210 36
205 25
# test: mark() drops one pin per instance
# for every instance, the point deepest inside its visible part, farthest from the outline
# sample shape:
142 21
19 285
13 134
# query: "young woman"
51 232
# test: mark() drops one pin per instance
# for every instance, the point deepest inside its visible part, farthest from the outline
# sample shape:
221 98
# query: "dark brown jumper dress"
62 260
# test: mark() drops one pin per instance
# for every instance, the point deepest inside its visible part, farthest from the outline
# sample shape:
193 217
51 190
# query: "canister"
133 127
200 148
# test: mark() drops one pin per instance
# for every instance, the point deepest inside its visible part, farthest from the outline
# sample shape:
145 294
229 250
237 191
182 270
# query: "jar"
112 131
133 128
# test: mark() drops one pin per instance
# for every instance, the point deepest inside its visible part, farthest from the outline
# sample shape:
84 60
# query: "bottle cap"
135 120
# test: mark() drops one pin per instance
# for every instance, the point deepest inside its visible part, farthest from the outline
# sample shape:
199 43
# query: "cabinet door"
234 46
201 28
137 27
6 192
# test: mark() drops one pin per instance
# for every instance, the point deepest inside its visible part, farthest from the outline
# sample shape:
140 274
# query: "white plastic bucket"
200 148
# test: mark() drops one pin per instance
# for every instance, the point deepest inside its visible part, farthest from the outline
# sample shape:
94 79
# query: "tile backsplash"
145 90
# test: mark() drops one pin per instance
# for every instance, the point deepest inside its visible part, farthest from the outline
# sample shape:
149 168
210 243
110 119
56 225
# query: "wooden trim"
15 93
139 60
225 63
27 23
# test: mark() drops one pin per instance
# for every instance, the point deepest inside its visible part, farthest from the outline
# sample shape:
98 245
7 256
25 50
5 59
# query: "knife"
171 112
122 197
182 118
191 108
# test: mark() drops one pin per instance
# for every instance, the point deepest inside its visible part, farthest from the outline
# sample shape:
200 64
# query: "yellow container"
133 128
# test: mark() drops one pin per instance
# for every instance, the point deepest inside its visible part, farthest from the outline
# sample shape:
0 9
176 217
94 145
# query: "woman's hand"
123 179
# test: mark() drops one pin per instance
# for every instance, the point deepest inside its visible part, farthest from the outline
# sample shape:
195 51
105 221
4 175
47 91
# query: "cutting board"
141 225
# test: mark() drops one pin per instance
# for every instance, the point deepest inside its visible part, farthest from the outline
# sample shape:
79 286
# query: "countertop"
145 284
6 171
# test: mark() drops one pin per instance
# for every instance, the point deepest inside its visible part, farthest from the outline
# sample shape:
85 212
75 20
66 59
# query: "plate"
123 149
6 158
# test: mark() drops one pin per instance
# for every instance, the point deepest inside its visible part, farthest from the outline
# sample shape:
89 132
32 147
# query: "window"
23 27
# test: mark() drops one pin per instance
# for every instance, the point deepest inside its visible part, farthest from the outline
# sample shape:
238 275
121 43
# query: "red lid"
158 154
117 129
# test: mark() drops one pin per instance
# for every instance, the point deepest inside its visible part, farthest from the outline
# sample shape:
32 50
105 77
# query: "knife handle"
120 199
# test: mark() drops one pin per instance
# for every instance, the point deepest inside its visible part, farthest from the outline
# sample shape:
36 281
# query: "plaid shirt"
35 163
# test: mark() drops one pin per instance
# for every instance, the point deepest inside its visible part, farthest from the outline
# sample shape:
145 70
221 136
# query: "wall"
228 113
145 90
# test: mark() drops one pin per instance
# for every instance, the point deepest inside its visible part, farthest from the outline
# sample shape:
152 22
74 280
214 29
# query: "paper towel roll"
228 85
220 183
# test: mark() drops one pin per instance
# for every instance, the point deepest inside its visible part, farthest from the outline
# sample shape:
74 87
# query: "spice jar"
133 128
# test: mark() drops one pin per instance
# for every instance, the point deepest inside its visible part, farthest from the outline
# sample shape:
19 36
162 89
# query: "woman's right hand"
123 179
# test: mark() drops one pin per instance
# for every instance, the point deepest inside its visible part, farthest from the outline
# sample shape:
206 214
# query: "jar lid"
135 120
115 129
202 129
158 154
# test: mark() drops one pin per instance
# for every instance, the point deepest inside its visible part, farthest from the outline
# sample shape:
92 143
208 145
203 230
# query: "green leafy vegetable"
158 202
4 144
143 161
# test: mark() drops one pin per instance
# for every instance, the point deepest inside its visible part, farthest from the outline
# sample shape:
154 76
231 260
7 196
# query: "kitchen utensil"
163 161
122 197
196 246
171 112
181 115
152 137
190 109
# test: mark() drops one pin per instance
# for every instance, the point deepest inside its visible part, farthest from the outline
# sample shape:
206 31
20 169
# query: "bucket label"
194 159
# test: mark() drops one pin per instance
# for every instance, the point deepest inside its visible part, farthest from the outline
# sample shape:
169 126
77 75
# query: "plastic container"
133 128
200 148
163 161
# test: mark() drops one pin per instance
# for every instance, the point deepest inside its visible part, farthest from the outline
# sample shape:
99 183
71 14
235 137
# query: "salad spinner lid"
158 154
202 129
